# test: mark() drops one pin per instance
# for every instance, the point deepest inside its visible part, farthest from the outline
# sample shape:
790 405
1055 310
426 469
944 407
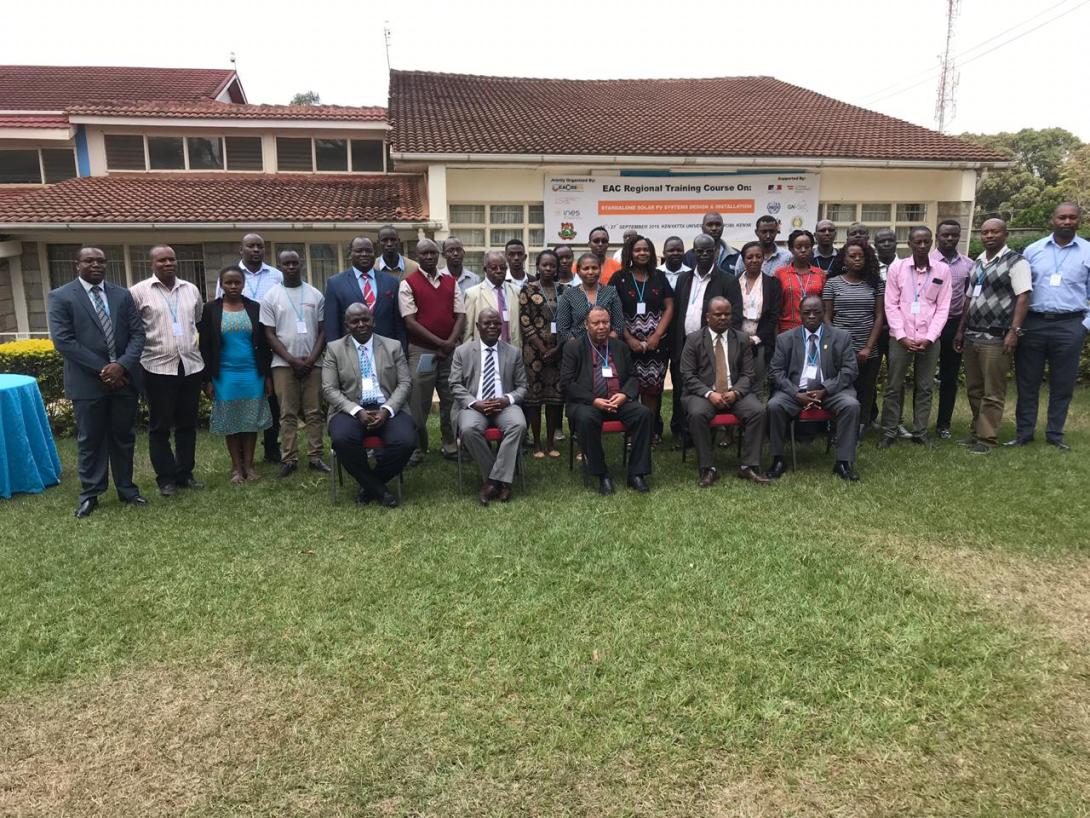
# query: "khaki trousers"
299 399
987 366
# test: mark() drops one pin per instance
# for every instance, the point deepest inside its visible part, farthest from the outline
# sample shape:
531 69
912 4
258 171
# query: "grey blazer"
341 374
465 373
839 367
78 337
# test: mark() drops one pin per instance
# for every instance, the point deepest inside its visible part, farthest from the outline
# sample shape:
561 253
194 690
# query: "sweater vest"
991 312
434 305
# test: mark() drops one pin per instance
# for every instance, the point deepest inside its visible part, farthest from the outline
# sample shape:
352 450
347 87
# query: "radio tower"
946 104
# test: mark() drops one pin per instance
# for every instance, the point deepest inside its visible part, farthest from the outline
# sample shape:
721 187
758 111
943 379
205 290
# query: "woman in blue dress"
236 368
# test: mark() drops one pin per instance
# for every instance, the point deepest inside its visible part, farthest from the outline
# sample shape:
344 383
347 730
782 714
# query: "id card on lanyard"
603 360
916 287
172 305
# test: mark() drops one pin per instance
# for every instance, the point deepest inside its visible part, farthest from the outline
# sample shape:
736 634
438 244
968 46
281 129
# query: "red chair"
812 414
609 427
492 435
336 476
723 420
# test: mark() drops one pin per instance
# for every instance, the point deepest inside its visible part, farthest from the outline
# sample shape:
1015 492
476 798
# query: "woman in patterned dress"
236 367
647 303
541 353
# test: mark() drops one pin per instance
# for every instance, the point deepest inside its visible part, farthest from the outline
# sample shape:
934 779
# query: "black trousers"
1057 342
638 420
270 440
106 440
172 405
866 388
949 371
398 441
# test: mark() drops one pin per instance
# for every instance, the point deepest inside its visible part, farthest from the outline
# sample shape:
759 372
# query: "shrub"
38 359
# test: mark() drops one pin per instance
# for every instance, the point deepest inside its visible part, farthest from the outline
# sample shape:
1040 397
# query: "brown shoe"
707 477
488 492
746 473
504 492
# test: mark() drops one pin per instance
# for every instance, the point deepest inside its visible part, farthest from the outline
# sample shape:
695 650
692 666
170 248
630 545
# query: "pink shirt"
929 288
959 268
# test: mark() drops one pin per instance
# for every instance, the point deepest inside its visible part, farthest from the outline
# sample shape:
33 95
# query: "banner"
662 206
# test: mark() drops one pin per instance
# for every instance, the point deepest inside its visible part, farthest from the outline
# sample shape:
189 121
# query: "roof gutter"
12 227
182 120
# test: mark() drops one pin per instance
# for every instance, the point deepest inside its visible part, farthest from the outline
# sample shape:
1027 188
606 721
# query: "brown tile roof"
192 198
727 116
55 87
33 121
211 109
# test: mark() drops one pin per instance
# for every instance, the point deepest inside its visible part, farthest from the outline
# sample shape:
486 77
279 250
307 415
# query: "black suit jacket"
721 284
577 370
768 322
698 363
839 366
211 339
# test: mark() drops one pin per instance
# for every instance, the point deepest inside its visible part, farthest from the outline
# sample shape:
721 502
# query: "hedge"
40 360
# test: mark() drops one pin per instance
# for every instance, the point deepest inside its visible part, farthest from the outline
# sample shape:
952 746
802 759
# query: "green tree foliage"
306 98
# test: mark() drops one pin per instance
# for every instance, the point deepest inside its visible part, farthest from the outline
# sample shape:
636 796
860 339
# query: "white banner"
663 206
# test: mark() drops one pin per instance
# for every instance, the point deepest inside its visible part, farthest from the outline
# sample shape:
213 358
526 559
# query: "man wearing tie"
717 371
365 381
488 381
97 330
814 366
597 376
363 284
499 294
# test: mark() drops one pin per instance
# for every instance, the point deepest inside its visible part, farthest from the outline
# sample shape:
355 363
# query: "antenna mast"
386 36
946 100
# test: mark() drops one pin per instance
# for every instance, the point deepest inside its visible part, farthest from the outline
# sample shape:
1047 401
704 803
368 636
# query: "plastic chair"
609 427
812 415
492 435
336 476
723 420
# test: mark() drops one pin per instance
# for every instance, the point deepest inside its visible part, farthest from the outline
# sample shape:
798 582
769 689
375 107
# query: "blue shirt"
255 285
380 264
361 275
1072 263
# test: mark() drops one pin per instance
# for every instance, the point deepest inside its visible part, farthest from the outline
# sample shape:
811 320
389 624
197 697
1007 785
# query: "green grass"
748 651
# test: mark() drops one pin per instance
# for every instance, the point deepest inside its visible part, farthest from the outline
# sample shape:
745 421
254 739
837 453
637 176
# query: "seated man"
365 381
717 373
814 365
600 383
487 381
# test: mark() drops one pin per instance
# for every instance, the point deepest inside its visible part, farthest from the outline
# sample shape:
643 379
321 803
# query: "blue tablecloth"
28 455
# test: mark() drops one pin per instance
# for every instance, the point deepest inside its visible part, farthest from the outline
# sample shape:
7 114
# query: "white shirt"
518 282
694 311
370 347
255 285
497 390
671 276
803 380
102 289
726 354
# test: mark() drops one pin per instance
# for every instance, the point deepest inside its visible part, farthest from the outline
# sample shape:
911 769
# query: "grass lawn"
916 644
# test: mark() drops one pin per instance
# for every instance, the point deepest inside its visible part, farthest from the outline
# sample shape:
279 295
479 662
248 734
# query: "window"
190 263
367 155
125 152
62 263
205 153
490 227
900 216
331 154
297 154
323 264
840 212
877 213
911 213
293 154
20 167
59 164
244 153
166 153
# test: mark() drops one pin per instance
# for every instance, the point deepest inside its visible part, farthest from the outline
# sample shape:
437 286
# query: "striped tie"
488 388
368 293
104 319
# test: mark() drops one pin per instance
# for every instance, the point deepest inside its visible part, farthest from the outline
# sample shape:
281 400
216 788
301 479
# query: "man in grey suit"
487 382
365 381
814 366
98 331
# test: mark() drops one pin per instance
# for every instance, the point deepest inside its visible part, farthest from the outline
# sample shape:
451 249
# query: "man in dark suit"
363 284
597 376
814 366
694 291
717 368
365 381
487 383
98 331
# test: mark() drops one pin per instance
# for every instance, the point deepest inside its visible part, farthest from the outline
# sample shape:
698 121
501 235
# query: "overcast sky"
882 55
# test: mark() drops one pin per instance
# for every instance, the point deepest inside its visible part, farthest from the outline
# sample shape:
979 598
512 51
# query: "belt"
1057 316
998 332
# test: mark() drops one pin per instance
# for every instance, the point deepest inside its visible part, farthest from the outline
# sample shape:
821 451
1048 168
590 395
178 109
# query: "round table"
28 455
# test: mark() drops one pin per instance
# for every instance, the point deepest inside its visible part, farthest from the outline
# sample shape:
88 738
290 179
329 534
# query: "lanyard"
172 303
1057 265
697 279
640 290
598 356
298 309
916 281
823 268
812 360
802 286
257 285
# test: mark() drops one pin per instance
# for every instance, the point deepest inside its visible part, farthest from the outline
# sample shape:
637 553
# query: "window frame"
457 229
185 137
897 225
41 164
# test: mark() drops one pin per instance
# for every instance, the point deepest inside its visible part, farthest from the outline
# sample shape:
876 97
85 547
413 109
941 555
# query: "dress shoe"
389 500
488 492
137 500
605 485
1018 441
451 456
319 466
707 477
190 484
1059 444
886 442
845 471
776 470
504 493
751 474
273 455
902 432
922 440
286 470
416 458
980 448
86 507
637 483
967 441
363 497
168 489
943 432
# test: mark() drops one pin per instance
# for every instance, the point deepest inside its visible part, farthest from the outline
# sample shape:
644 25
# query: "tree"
1074 183
306 98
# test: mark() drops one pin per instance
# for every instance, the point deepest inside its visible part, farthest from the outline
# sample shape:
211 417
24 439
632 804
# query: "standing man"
917 305
455 255
499 294
991 324
859 232
824 252
363 284
958 266
673 260
170 309
727 258
488 382
391 259
96 328
293 315
1054 332
885 245
515 254
598 238
768 227
433 310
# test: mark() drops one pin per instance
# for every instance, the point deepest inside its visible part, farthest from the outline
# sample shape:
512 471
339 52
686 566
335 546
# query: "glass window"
537 237
293 154
500 237
244 153
880 213
20 167
902 234
59 164
323 264
331 154
467 214
506 214
537 214
474 262
367 155
470 236
205 153
62 263
838 212
911 212
125 152
166 153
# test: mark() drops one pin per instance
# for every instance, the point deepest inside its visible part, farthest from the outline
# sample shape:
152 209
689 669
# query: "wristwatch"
1018 331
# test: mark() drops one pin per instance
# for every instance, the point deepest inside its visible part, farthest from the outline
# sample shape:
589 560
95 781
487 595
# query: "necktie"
812 353
722 376
104 319
372 395
368 293
488 388
505 333
601 390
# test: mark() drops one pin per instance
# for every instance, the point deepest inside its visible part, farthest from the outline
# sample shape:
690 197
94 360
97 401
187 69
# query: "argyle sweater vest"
993 309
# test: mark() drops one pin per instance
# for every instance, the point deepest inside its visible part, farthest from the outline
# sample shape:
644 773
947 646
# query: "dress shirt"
883 268
824 262
467 279
781 258
1072 262
726 354
904 285
806 336
959 268
158 306
672 276
102 287
497 389
361 275
370 347
255 285
694 310
406 301
399 268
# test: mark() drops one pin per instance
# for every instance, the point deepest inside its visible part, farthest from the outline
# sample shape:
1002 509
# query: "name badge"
1056 279
177 329
915 307
367 384
607 372
641 309
977 289
552 327
505 316
810 373
300 327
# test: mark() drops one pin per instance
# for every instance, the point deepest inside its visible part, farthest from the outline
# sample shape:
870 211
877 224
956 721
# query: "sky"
1018 63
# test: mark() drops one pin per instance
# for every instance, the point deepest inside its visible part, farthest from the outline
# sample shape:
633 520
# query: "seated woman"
575 303
541 354
236 367
798 279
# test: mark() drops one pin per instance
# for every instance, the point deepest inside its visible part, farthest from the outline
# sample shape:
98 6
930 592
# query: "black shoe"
886 442
1059 444
637 483
845 471
168 489
922 440
190 484
943 432
389 500
605 485
363 497
86 507
287 470
452 456
1018 441
137 500
776 470
273 455
320 466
